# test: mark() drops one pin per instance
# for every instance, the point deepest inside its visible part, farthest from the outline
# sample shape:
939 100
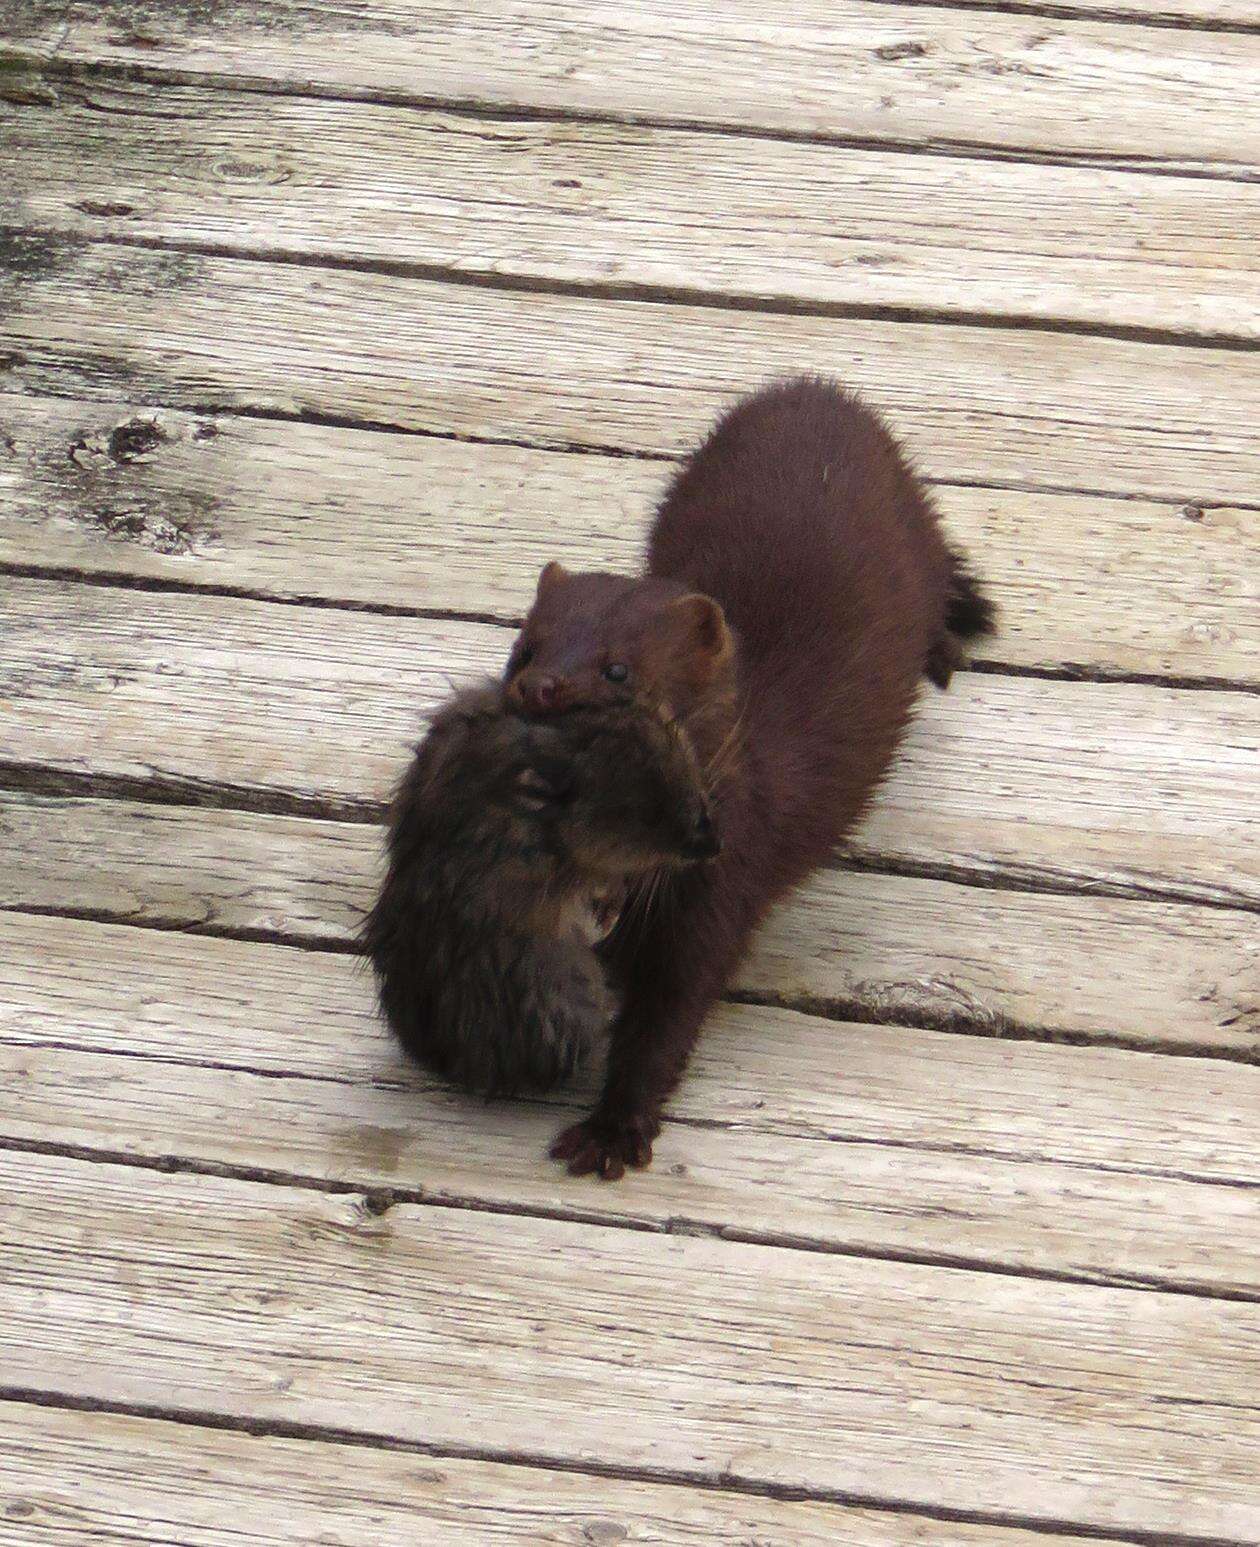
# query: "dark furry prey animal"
798 588
510 849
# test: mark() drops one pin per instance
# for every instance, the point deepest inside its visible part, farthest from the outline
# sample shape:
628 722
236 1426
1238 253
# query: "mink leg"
674 973
645 1061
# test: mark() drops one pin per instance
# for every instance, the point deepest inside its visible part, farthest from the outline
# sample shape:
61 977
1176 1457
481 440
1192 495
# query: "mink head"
595 639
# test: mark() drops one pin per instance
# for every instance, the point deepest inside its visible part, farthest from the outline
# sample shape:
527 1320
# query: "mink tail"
969 614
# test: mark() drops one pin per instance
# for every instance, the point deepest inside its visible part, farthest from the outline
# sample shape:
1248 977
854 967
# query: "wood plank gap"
122 580
477 107
991 1024
265 1072
635 292
1014 486
1068 672
1008 878
1166 19
331 945
140 396
38 779
195 793
280 1428
126 581
1000 1027
379 1200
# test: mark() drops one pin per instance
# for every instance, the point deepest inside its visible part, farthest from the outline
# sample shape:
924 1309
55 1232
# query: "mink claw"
602 1149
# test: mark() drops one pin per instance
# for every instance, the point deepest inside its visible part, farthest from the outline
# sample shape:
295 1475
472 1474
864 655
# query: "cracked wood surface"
973 404
663 1352
203 1485
764 1069
628 205
937 1273
1128 787
1160 975
924 75
369 518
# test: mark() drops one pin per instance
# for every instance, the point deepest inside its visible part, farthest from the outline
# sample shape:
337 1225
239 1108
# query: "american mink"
798 586
510 849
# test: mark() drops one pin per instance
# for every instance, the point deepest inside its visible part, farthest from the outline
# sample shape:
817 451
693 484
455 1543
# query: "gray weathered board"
1134 787
974 404
1141 973
927 75
661 1353
419 523
79 1476
625 205
267 1060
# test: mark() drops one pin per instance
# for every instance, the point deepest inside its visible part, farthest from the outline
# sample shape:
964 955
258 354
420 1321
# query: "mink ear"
704 623
553 574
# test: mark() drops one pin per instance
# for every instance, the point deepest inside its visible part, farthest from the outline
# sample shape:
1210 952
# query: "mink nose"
540 695
703 841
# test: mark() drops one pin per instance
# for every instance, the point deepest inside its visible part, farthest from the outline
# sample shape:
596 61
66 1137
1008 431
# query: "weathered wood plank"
604 204
573 1342
1061 1221
338 1105
844 69
1154 974
975 404
102 989
1132 787
70 1477
314 512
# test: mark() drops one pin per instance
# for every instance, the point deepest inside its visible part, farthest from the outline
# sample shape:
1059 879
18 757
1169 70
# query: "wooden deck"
323 325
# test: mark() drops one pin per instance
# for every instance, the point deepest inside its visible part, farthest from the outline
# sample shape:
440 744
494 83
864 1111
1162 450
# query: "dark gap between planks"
473 107
377 1201
710 1482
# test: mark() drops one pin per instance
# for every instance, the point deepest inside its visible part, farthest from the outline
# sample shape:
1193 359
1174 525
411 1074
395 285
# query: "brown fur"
798 588
509 844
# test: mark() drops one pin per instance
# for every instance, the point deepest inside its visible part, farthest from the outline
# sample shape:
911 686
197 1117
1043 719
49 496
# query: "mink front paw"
605 1146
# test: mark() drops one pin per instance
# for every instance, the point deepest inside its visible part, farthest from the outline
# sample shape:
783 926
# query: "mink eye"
617 672
521 657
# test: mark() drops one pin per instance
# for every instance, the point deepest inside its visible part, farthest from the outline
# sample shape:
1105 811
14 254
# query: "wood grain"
170 1039
1130 787
576 1342
849 69
974 404
1058 1221
69 1477
1166 976
608 205
298 511
263 1008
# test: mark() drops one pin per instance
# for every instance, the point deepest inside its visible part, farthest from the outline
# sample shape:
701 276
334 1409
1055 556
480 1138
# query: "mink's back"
800 515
